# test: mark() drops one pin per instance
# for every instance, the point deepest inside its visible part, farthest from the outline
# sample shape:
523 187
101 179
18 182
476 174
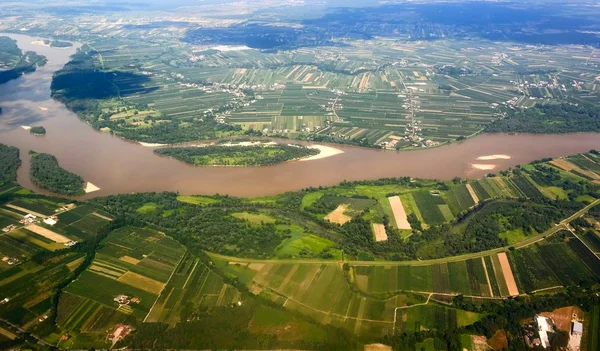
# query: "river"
118 166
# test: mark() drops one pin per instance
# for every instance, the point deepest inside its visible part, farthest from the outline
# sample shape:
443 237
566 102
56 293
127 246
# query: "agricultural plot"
307 289
459 199
591 336
460 277
193 285
83 222
134 262
40 207
430 206
548 264
399 213
433 317
29 286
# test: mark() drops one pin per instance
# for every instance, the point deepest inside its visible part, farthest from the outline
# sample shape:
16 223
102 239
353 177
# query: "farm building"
577 328
52 220
543 329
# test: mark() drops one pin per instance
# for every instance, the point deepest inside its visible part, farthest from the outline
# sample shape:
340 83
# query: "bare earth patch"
338 216
325 151
562 317
561 164
493 157
473 194
377 347
508 274
47 233
399 212
256 266
498 341
129 259
139 281
379 230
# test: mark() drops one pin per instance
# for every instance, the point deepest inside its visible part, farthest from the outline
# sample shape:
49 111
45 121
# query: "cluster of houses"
119 332
126 300
10 260
9 228
51 220
70 243
28 219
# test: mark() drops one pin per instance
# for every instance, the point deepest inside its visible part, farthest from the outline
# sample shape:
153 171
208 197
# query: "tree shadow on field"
95 84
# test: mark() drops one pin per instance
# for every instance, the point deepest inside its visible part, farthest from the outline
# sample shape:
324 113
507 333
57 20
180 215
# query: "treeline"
10 161
551 119
46 173
255 155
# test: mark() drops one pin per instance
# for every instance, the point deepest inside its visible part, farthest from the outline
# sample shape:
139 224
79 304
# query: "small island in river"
37 130
242 154
46 173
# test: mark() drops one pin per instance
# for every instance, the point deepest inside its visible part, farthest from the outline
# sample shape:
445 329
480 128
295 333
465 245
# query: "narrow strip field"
48 234
508 275
399 212
473 194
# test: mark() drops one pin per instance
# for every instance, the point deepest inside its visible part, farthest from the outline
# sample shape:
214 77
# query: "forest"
549 119
10 161
46 173
12 57
211 226
237 155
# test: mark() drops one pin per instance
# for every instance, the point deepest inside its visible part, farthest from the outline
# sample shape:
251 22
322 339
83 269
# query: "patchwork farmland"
371 299
361 93
153 277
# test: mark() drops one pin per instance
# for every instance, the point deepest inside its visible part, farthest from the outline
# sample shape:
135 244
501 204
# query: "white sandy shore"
483 166
150 144
26 127
89 187
493 157
249 143
40 42
325 151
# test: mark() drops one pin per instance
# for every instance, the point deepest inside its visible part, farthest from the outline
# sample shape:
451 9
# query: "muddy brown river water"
119 166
